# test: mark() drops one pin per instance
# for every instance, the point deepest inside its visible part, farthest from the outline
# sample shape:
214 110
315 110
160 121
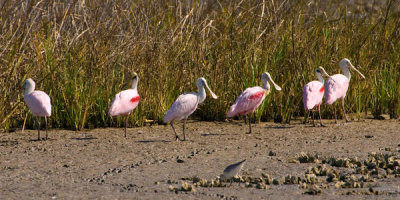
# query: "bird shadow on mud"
8 142
212 134
41 139
85 138
278 127
152 141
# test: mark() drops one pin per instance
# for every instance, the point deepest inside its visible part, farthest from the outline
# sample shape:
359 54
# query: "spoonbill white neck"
344 66
202 92
135 82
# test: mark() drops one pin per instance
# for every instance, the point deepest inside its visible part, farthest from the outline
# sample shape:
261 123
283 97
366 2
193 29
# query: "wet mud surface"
357 160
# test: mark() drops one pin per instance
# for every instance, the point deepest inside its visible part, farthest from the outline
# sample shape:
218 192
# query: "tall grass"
83 52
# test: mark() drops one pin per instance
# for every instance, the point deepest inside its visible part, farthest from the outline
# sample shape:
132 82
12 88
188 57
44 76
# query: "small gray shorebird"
232 171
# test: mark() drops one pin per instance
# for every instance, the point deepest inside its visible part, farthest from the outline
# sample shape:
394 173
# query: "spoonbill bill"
313 92
38 102
125 101
336 86
252 98
186 104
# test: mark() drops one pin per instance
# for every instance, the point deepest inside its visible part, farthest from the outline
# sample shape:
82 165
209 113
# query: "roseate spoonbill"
186 104
232 171
336 86
125 101
251 98
38 102
313 92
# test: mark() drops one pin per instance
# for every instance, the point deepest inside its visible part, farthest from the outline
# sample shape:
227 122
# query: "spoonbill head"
29 86
266 79
201 83
320 72
345 65
125 101
252 97
38 103
186 104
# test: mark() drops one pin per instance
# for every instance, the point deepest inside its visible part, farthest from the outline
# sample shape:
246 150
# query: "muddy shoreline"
149 164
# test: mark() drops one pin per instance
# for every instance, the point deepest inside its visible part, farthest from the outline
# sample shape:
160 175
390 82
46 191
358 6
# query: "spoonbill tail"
125 101
251 98
186 104
38 102
313 92
336 86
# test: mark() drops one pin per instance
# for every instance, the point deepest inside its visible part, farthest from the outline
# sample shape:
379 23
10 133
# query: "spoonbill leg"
320 118
38 124
344 112
45 120
173 128
126 122
249 123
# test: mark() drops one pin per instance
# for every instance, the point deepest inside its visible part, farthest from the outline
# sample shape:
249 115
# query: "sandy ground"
105 165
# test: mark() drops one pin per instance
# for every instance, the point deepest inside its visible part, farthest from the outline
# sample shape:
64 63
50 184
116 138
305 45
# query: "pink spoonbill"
125 101
186 104
252 98
38 102
336 86
313 92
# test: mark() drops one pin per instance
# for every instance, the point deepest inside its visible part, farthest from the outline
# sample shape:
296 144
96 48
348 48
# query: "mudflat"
356 160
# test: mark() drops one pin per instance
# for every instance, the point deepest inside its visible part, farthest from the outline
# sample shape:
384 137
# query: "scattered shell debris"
339 172
186 187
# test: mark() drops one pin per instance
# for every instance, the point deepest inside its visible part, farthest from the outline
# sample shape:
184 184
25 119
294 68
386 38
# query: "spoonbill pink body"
38 102
251 98
337 85
125 101
313 92
186 104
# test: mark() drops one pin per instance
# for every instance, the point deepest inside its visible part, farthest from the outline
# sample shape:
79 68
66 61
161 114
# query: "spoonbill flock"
248 101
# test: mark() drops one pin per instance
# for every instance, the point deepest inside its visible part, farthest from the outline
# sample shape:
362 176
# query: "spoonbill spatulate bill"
186 104
337 85
125 101
38 103
251 98
313 92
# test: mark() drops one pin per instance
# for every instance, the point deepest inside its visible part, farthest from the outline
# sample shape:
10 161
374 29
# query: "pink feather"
247 102
182 108
335 88
39 103
313 92
124 102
